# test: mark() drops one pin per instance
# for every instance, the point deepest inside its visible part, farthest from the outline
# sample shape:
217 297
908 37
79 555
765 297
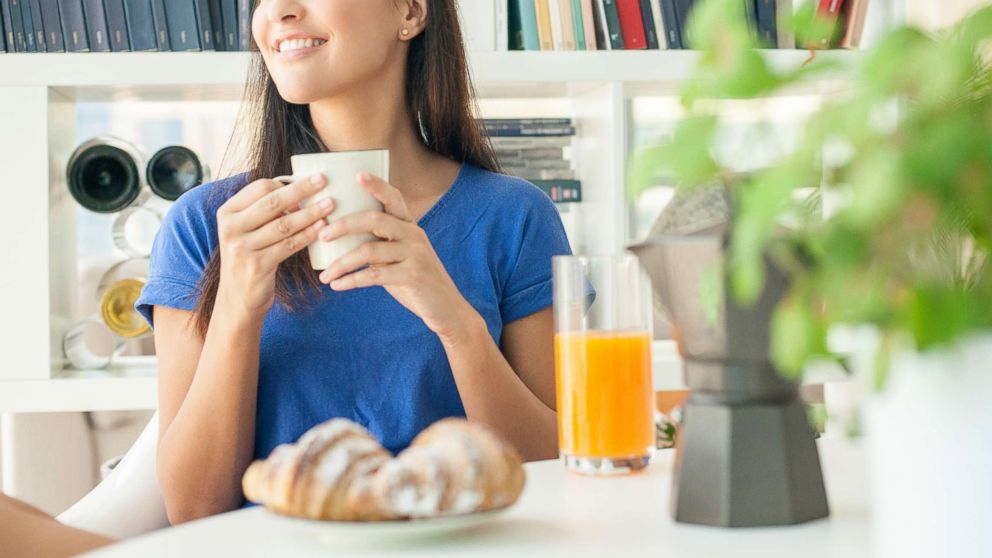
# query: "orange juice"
605 405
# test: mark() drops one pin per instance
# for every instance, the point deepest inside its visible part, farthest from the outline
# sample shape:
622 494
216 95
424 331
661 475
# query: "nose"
283 11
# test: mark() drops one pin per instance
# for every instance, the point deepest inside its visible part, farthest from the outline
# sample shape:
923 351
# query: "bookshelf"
593 88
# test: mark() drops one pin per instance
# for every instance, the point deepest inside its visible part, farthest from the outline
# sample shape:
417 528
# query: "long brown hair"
269 130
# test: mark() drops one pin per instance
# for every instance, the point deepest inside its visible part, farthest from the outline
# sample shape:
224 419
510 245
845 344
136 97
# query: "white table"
559 514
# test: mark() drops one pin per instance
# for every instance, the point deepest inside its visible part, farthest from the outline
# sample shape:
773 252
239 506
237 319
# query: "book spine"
229 11
767 23
28 26
11 32
502 25
854 23
497 122
659 24
531 142
75 35
561 190
673 36
140 28
526 131
41 43
682 10
95 27
116 25
783 10
611 16
161 25
589 25
180 16
217 25
244 24
650 32
557 39
567 26
52 23
4 26
631 24
577 26
205 25
543 13
829 11
528 24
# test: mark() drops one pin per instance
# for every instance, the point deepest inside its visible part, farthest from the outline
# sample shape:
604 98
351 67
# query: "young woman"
447 314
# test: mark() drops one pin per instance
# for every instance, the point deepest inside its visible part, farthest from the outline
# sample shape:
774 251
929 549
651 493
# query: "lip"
277 41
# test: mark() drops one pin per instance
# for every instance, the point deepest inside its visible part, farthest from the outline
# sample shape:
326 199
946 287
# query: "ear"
413 15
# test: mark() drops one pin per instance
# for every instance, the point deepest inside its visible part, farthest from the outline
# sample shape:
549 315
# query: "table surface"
558 514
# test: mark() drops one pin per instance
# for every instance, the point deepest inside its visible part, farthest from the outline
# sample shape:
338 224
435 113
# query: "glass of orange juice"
602 312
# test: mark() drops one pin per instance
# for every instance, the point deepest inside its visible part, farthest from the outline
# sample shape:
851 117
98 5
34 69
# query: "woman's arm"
512 390
28 532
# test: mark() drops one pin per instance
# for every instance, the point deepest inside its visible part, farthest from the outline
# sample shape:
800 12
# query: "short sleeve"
527 288
180 253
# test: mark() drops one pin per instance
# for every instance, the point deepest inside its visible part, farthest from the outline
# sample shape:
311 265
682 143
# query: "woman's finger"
289 224
250 194
377 223
279 252
368 254
376 275
277 202
387 194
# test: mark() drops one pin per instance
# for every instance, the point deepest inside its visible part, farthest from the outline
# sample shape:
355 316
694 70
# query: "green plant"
907 151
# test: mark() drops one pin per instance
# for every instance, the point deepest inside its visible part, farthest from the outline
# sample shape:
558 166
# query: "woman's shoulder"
506 192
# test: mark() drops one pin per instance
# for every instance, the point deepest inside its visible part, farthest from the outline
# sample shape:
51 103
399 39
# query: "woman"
447 314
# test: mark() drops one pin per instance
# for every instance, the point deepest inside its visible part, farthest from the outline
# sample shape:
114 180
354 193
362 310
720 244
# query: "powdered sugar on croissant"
337 471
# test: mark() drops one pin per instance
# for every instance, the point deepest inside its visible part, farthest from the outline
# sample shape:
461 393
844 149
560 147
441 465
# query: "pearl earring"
406 32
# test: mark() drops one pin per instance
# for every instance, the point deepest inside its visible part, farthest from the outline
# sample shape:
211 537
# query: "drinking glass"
602 314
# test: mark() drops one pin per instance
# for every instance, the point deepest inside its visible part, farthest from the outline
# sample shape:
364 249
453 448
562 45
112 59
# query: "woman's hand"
260 227
403 261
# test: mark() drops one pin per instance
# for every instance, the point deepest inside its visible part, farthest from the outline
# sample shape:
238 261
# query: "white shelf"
132 384
221 75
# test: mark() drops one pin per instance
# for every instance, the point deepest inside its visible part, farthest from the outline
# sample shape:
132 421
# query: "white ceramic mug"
341 169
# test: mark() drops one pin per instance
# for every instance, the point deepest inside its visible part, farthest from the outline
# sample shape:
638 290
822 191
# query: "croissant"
338 471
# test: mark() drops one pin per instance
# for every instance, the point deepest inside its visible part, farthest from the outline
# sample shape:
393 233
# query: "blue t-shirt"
360 354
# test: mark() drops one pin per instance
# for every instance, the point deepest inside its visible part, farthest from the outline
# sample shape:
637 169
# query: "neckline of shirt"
443 200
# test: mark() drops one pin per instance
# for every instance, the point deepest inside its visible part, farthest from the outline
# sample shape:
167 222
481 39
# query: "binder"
229 13
217 25
180 16
96 24
204 25
53 26
27 25
161 27
40 42
140 28
10 35
117 25
244 23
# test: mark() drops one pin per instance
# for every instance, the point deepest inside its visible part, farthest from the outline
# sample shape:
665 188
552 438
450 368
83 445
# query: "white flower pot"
929 440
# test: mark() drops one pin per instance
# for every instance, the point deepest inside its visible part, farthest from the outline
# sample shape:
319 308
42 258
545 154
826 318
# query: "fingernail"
316 179
326 203
364 176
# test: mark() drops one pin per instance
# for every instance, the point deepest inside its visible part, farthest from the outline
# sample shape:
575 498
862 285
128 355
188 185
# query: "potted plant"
901 165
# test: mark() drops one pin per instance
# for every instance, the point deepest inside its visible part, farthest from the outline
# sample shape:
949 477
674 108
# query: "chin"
300 94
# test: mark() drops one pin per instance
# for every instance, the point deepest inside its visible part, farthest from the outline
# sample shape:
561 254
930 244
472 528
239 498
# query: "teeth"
295 44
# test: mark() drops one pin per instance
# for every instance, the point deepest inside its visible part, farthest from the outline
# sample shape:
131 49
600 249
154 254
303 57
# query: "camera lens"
103 178
174 170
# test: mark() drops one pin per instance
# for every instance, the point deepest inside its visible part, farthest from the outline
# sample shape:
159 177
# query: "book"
589 25
40 42
650 33
140 28
217 25
52 23
530 142
95 27
611 24
673 35
577 26
524 131
229 12
539 174
786 38
204 25
496 122
538 164
502 25
568 40
561 190
244 24
682 10
531 153
28 26
854 12
13 35
116 25
631 24
161 25
523 25
542 10
751 16
830 12
659 24
3 33
557 36
180 17
767 22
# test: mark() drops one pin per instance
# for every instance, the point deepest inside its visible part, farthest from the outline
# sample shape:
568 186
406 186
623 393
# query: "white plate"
377 532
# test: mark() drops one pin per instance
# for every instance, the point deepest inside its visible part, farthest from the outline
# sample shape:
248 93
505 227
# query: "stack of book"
538 150
124 25
661 24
